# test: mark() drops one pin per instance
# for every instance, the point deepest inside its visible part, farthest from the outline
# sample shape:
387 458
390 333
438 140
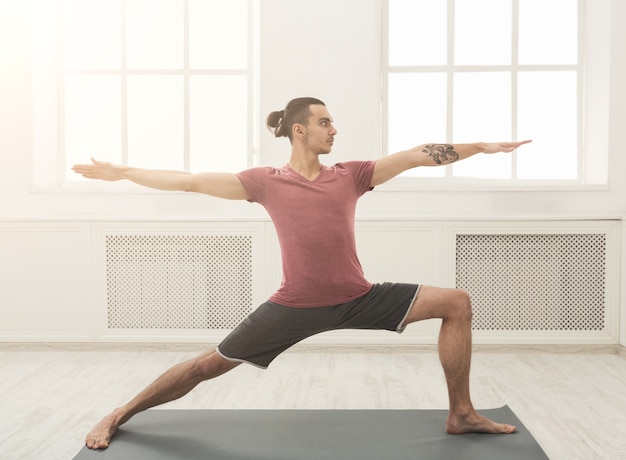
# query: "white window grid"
186 72
450 69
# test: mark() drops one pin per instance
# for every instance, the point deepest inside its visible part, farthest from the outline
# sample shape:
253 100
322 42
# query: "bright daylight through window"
150 82
468 70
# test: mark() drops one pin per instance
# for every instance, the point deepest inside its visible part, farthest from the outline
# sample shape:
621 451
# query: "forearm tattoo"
441 153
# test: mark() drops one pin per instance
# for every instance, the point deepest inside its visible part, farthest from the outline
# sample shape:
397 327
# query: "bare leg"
174 383
455 351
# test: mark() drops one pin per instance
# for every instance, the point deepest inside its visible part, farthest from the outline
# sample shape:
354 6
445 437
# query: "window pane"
548 115
92 34
154 34
92 119
218 34
155 121
417 114
482 111
417 32
548 31
218 123
482 45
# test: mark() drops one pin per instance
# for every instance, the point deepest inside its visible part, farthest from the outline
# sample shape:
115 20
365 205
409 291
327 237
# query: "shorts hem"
401 326
239 360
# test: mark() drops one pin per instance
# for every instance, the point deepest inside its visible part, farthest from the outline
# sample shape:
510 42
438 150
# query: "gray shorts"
271 329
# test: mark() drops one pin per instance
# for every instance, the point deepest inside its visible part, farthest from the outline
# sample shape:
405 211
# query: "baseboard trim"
308 348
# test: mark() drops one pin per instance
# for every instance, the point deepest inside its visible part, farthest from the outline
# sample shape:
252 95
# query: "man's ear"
298 130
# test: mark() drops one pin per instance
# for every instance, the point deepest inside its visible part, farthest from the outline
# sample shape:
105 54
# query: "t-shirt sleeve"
254 180
362 173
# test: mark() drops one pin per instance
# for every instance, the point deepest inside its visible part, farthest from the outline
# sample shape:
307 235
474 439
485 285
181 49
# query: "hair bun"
274 119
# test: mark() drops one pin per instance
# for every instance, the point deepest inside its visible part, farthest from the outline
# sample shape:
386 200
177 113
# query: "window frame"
592 85
50 164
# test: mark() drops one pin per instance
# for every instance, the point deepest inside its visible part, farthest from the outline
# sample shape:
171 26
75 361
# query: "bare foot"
476 423
100 436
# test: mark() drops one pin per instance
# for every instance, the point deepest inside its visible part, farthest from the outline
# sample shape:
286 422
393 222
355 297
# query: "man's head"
298 111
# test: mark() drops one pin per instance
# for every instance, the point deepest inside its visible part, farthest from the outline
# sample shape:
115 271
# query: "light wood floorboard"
573 403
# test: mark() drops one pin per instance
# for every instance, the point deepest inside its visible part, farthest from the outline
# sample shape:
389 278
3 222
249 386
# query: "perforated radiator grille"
534 282
178 281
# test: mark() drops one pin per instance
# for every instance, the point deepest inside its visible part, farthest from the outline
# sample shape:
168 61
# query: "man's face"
320 133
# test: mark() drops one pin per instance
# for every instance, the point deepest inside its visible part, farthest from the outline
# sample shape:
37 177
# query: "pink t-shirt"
315 225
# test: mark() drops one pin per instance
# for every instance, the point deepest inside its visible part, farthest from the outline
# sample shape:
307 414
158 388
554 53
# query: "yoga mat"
310 434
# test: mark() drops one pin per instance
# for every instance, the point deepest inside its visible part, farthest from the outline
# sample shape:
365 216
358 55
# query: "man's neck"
307 165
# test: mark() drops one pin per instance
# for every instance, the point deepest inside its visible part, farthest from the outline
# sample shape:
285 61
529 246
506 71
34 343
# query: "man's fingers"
510 146
523 142
86 170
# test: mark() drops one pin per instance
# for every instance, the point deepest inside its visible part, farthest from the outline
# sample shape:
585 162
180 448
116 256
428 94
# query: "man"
323 288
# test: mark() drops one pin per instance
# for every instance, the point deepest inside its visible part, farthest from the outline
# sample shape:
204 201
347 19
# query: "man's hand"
496 147
99 170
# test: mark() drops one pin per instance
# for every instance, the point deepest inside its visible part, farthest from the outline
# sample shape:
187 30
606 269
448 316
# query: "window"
466 70
164 84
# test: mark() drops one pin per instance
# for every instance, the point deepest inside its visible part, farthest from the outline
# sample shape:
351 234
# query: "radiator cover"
534 282
178 281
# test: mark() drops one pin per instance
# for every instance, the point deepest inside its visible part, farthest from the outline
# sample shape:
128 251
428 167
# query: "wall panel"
192 281
46 292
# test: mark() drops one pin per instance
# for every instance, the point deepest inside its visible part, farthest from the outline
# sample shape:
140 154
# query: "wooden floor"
573 401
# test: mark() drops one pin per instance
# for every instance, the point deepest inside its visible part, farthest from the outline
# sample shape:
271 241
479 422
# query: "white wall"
329 49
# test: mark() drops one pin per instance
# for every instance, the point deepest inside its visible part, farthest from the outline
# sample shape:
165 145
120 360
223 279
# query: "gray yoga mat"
310 434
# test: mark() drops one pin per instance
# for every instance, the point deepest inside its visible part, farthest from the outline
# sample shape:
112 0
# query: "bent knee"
463 303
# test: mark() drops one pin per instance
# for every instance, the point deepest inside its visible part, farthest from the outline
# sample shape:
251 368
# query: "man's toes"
510 428
96 444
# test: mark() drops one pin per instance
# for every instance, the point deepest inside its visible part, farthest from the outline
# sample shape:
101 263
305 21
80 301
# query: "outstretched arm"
221 185
434 155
